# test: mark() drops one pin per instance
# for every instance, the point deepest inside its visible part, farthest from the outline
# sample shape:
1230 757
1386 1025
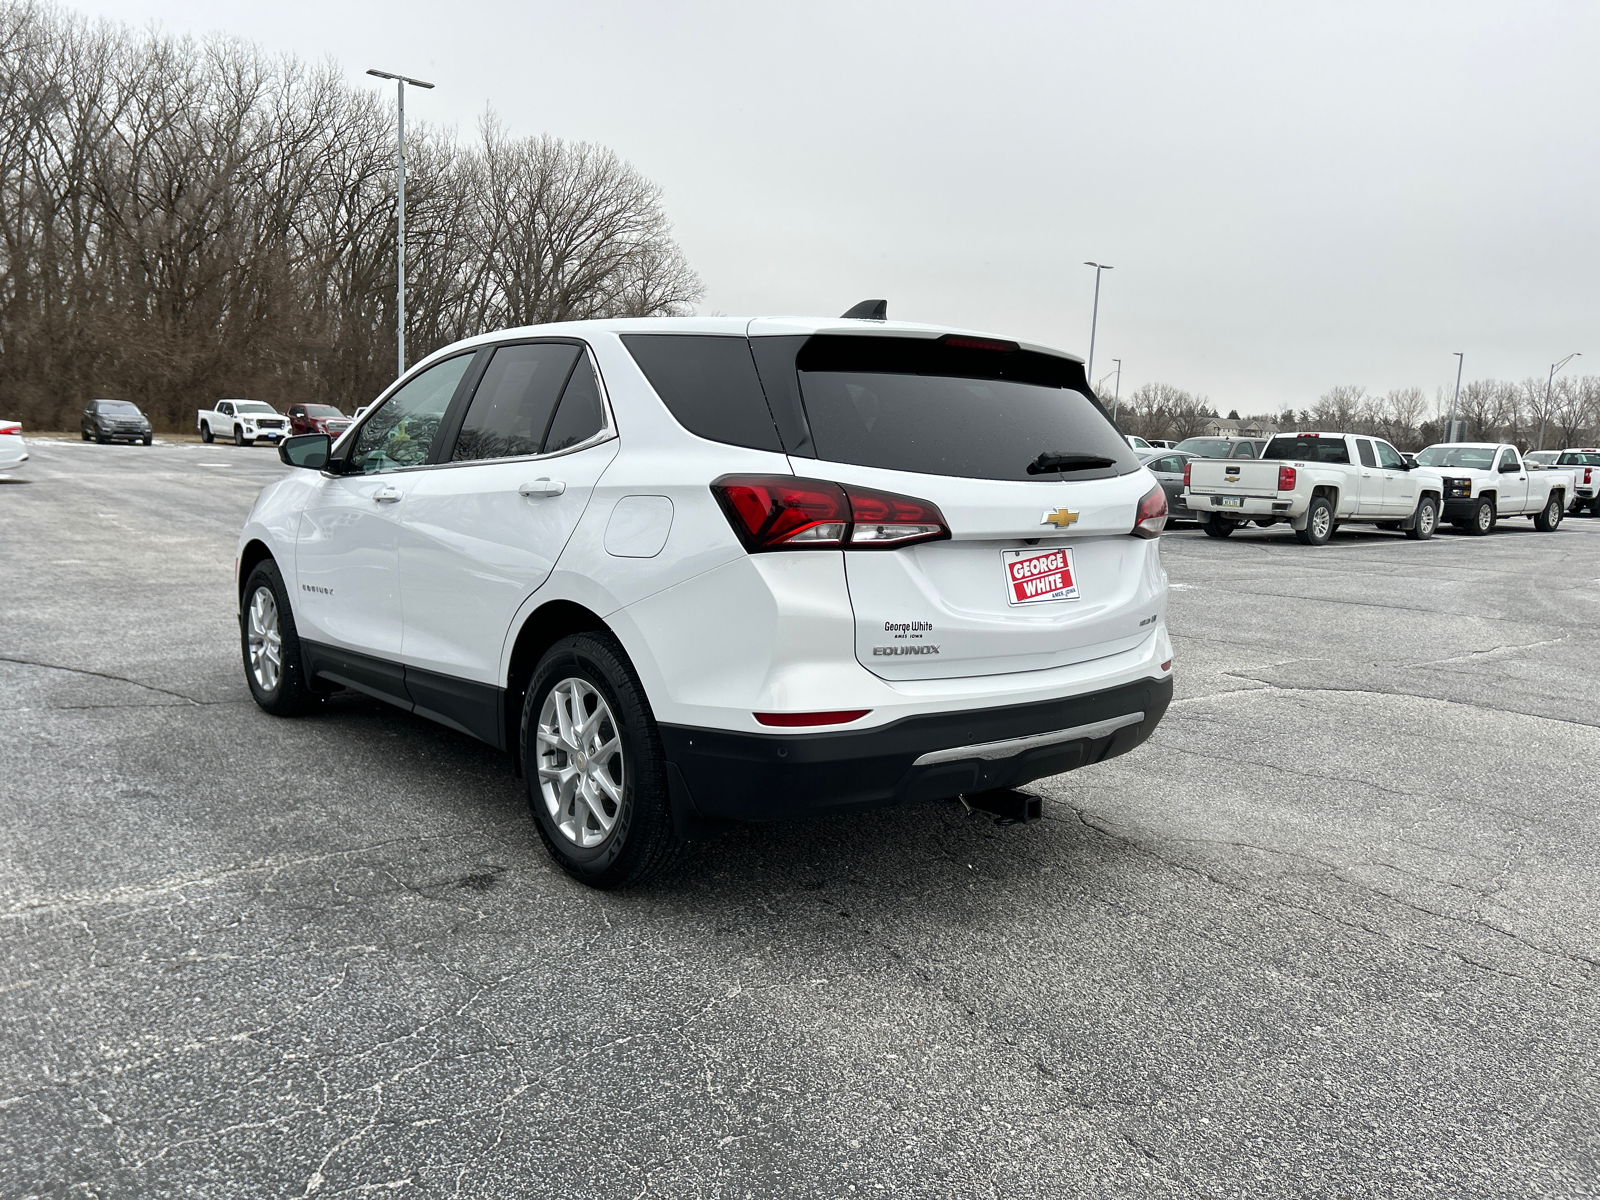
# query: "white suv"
696 571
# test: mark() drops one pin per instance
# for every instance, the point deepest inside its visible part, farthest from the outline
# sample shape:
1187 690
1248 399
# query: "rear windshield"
710 385
1308 449
923 405
1577 459
1471 458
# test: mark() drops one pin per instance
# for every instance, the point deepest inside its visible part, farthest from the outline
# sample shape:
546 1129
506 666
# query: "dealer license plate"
1228 501
1037 576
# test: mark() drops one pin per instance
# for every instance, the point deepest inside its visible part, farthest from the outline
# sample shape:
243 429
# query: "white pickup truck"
1484 481
242 420
1315 482
1584 463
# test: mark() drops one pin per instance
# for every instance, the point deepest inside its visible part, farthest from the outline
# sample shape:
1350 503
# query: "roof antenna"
870 310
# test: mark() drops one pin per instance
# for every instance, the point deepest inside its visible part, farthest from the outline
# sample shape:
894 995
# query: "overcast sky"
1292 196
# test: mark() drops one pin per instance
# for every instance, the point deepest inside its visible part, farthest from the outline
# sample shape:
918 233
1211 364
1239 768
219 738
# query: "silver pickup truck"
1315 482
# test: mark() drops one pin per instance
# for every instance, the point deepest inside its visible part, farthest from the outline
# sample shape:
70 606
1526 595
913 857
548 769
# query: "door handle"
387 494
1366 474
541 488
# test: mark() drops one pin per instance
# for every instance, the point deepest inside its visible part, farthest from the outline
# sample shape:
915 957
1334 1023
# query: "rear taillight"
17 429
1588 472
1185 474
781 512
1286 479
803 719
1152 517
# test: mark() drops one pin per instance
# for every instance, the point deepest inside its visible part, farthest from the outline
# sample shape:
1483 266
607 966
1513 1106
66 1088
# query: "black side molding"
462 704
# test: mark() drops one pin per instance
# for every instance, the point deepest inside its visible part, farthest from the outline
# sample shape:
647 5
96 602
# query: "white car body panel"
13 450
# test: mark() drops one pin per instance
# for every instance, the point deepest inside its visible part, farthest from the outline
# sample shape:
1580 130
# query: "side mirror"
309 450
1507 468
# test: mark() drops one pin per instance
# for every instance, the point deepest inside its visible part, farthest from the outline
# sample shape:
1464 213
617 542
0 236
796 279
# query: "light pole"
1450 429
1095 319
1545 416
400 230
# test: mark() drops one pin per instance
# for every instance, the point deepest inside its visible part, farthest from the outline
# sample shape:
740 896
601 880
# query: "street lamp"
1450 429
1545 416
400 232
1095 319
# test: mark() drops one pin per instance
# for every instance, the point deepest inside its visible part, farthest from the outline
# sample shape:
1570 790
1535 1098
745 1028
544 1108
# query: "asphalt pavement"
1332 932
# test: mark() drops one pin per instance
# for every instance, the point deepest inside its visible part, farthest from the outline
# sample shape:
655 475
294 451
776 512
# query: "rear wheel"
271 645
1594 507
1425 521
1219 527
205 433
1482 519
592 757
1319 523
1550 519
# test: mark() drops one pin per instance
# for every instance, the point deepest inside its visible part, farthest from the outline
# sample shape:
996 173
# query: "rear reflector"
1286 478
1167 666
782 512
798 720
1152 515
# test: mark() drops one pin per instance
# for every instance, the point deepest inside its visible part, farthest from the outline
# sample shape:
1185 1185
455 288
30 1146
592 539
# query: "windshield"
255 406
1207 447
1577 458
322 411
923 405
122 408
1470 458
1308 449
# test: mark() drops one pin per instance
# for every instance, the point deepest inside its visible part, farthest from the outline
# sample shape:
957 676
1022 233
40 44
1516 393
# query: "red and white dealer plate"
1037 576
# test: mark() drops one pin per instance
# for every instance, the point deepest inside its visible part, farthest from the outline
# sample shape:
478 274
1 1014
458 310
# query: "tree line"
182 220
1488 410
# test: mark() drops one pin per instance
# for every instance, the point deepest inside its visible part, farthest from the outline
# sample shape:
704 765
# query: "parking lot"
1332 932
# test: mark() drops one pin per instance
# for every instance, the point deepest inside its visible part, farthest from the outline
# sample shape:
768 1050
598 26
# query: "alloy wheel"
1321 523
580 762
266 640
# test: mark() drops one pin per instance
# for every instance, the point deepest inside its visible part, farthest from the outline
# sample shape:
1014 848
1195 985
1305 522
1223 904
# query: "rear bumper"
724 775
1203 504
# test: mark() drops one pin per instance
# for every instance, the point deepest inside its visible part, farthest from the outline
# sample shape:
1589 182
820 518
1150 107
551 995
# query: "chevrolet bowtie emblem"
1061 518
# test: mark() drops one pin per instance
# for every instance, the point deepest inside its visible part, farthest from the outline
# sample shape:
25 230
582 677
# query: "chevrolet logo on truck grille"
1060 518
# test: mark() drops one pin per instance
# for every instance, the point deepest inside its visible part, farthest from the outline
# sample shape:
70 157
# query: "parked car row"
1314 482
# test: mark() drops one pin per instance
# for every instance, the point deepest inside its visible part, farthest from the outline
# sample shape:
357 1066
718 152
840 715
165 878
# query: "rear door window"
946 407
579 416
514 402
1364 449
709 384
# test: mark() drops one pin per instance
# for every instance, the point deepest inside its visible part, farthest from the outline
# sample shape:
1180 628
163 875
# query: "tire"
1425 520
83 433
148 438
287 692
1549 520
205 433
585 672
1219 527
1594 507
1319 523
238 437
1482 519
101 438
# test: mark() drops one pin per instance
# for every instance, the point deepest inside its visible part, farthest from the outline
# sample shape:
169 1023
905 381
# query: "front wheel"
1319 523
205 433
1426 520
238 437
592 757
272 664
148 438
1482 519
1550 519
1219 527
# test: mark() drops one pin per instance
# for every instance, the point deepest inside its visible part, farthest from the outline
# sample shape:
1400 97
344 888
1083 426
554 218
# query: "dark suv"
114 421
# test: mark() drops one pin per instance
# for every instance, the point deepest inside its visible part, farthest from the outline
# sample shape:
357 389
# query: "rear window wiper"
1048 462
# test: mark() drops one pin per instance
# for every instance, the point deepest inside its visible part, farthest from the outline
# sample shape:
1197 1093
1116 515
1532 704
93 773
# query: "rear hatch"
1039 569
1232 477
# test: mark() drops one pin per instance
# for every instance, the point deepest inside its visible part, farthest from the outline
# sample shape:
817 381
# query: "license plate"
1228 501
1037 576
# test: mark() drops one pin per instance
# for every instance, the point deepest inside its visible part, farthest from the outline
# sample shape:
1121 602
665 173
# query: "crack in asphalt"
1582 960
28 662
1360 691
